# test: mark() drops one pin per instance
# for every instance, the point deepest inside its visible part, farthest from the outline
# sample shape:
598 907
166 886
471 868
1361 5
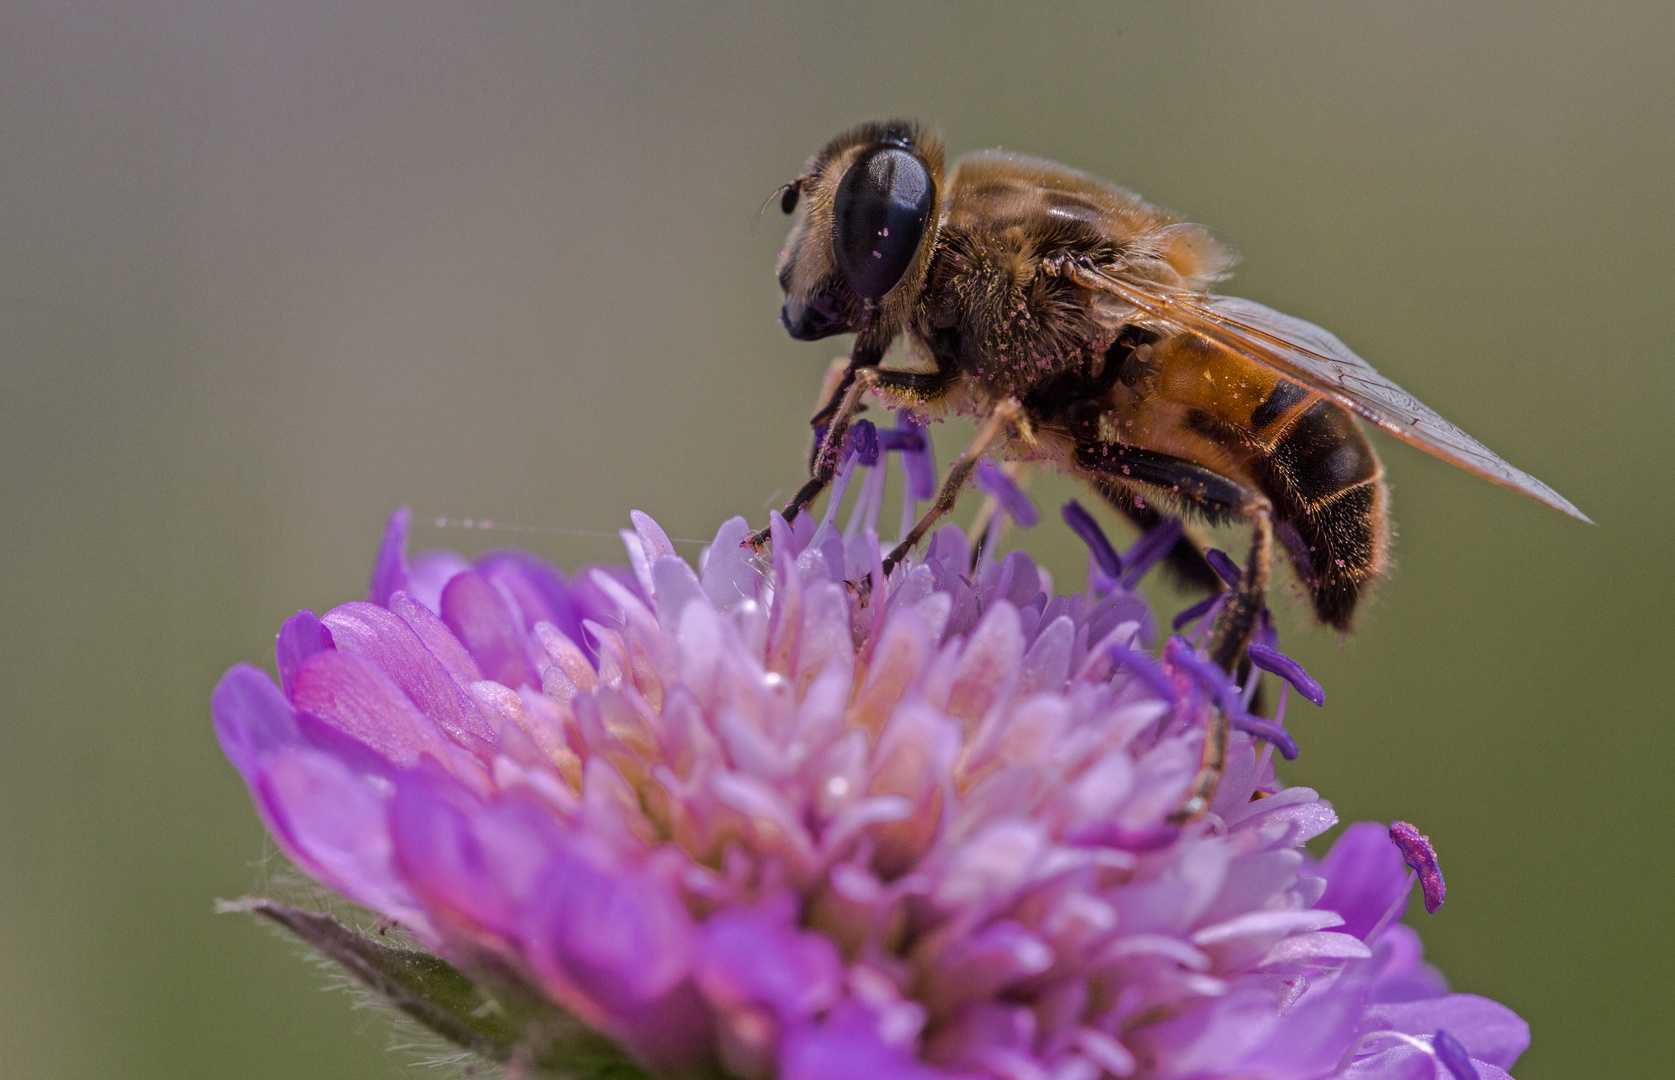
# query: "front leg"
908 387
843 404
839 376
827 454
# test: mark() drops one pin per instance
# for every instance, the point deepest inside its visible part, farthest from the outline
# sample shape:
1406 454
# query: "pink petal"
479 618
389 570
1365 876
437 638
1487 1029
1402 1062
252 718
730 573
331 823
758 957
479 862
388 641
540 591
353 695
302 636
430 573
1047 664
989 665
1316 946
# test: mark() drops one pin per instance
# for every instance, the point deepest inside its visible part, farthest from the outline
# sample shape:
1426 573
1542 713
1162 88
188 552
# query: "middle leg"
991 517
1218 497
1008 417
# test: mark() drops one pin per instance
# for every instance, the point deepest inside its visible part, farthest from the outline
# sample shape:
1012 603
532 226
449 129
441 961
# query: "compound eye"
883 204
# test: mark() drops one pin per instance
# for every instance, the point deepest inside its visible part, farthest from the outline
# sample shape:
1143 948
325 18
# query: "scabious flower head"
751 819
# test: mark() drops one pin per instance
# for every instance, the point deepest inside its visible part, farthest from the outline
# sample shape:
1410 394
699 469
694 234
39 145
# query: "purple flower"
733 818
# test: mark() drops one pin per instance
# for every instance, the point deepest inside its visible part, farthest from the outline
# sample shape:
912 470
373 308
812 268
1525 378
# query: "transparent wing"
1316 358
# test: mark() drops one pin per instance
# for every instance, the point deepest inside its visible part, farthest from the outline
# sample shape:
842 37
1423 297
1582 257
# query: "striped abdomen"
1307 454
1331 509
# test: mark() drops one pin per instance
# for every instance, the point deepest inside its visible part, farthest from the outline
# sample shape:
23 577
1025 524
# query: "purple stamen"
919 466
1259 728
1276 662
1147 550
1082 524
1453 1056
1253 679
1418 853
991 538
1196 611
1214 680
908 505
1224 565
1179 651
864 515
993 479
1279 722
901 440
1391 913
863 437
1144 668
840 483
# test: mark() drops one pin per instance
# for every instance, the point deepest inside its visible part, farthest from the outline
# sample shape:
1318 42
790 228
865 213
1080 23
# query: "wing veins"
1352 382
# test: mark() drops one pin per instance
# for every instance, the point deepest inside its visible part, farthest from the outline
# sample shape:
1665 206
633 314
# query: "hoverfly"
1073 320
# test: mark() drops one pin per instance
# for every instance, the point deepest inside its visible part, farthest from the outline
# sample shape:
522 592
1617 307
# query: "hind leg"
1237 621
1185 562
1232 632
1216 496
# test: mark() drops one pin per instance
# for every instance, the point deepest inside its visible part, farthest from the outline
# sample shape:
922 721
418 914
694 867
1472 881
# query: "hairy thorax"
993 316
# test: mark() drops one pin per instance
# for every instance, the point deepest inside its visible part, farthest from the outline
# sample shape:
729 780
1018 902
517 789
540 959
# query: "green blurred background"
268 270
